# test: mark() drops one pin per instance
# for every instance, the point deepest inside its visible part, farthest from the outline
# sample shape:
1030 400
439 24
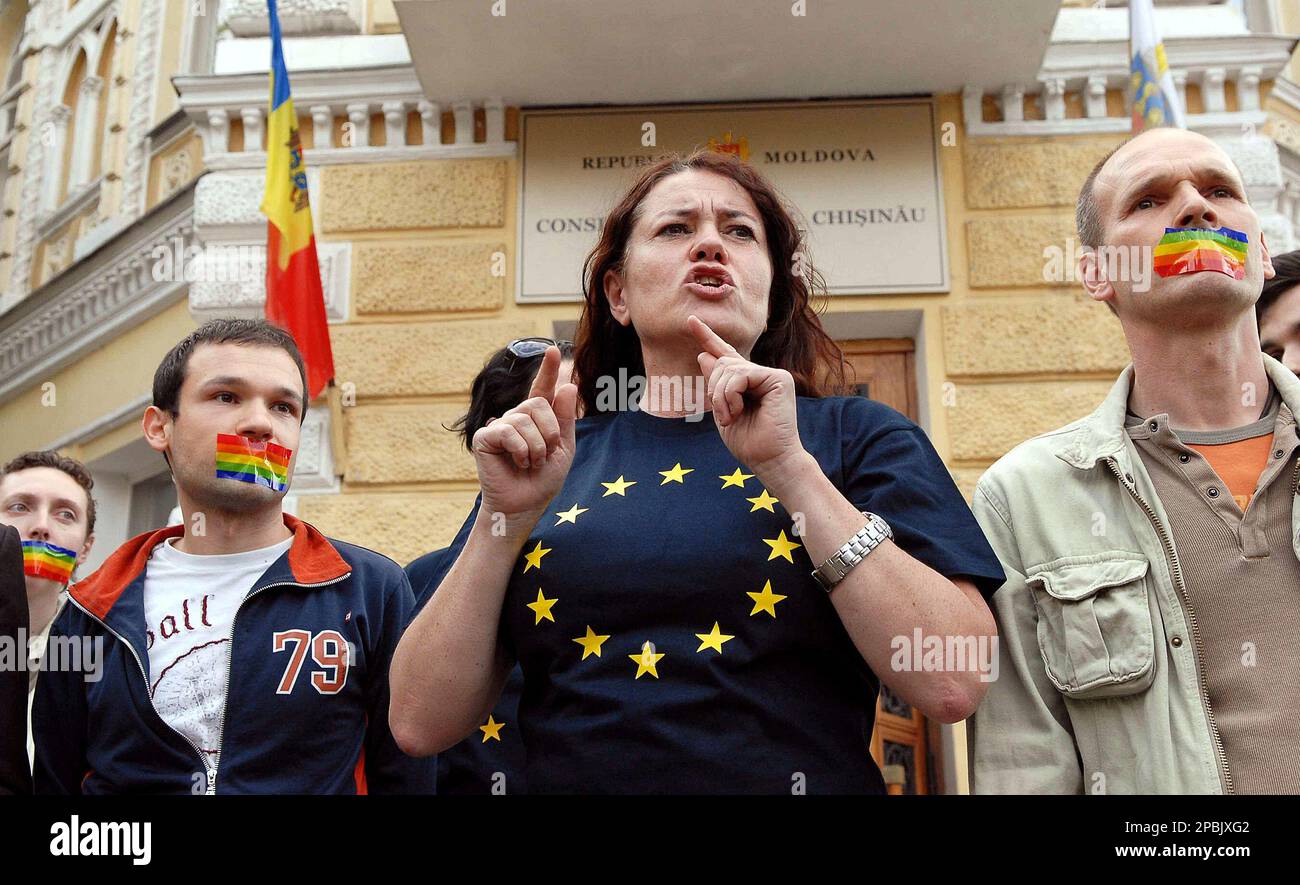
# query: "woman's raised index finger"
547 374
709 339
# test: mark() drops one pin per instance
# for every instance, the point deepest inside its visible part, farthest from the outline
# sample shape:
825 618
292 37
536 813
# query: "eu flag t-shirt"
671 637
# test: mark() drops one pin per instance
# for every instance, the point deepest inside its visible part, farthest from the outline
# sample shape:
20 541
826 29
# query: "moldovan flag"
1155 100
294 300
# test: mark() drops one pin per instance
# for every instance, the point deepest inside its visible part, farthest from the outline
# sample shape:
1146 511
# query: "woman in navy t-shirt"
650 568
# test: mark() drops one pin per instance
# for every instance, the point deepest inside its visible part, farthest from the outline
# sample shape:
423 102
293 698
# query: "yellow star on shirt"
542 607
571 515
781 546
645 662
713 639
491 730
534 558
676 474
735 479
765 601
590 643
765 501
617 487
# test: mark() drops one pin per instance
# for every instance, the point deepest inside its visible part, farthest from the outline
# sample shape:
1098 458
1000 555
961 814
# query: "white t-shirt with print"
189 608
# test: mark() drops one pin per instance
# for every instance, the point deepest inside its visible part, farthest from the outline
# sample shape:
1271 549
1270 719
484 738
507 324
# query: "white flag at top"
1155 101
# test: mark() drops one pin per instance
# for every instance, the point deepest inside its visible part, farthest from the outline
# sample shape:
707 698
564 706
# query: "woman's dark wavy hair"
794 339
502 384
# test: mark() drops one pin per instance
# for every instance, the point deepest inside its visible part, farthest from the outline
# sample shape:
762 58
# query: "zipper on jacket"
1177 570
211 772
230 663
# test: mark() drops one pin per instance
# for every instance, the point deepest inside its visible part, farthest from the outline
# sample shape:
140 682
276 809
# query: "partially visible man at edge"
1149 626
47 498
1278 312
15 775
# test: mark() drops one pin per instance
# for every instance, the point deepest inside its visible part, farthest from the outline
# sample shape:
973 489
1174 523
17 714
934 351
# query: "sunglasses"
530 347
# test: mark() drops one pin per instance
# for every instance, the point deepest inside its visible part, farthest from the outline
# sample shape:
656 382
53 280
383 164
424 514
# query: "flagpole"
337 435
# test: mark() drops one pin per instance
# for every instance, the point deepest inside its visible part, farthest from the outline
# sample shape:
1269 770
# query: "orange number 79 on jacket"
328 649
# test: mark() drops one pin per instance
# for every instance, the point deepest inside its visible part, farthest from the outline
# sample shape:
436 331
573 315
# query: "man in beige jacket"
1150 623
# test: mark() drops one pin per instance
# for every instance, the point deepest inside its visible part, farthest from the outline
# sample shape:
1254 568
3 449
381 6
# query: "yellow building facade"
132 170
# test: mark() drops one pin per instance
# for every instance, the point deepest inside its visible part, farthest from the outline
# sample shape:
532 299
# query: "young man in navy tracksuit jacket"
239 652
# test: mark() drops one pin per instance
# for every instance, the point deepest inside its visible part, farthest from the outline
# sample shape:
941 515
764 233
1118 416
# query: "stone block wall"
431 297
1024 349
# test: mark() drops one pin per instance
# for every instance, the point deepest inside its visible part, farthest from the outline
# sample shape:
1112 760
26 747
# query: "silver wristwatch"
871 536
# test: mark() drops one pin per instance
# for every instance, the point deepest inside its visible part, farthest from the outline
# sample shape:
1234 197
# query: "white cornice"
1094 66
1076 62
316 157
212 101
199 94
1207 123
95 300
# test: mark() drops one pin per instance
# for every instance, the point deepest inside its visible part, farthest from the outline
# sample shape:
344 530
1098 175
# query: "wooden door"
884 369
902 744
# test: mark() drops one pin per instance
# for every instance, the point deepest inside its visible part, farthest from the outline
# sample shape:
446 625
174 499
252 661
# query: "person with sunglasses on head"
491 759
651 567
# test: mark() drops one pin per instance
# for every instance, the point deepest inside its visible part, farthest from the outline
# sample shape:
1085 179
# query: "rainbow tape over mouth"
1193 249
263 464
41 559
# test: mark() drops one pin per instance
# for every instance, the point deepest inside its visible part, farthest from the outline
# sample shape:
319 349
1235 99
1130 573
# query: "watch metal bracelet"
842 561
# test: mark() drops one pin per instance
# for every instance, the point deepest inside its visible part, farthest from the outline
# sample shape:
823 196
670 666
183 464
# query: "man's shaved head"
1088 213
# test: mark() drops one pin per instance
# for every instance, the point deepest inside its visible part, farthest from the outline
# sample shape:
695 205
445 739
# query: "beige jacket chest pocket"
1094 623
